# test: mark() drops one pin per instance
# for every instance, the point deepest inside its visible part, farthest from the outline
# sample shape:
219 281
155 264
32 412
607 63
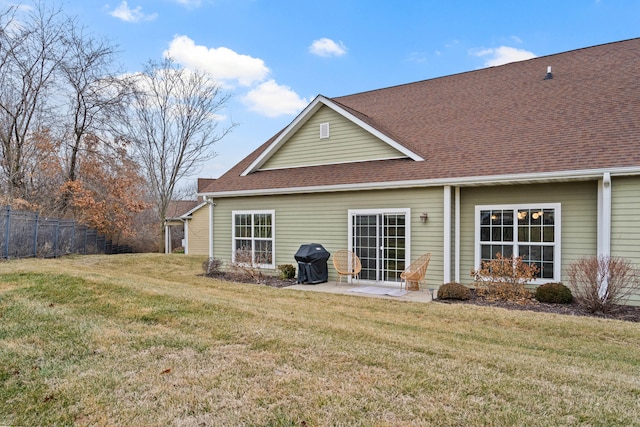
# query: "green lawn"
144 340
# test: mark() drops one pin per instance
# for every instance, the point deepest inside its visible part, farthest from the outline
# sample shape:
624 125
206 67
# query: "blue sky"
275 56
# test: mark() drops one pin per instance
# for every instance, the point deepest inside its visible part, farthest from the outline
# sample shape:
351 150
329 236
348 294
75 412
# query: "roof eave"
475 181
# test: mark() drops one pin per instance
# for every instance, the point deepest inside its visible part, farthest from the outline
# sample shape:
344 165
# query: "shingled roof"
177 208
498 124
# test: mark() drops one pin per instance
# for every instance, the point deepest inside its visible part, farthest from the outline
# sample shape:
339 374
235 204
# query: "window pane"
243 225
548 234
548 217
507 234
496 234
496 217
485 252
485 217
523 217
536 216
263 253
243 245
507 251
536 234
546 272
507 217
262 225
523 234
547 253
485 234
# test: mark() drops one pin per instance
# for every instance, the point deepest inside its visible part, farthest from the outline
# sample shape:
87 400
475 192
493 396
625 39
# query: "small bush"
454 290
601 282
211 267
245 267
555 293
287 271
504 278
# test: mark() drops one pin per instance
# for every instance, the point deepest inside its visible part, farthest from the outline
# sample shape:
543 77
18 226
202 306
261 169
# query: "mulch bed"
620 312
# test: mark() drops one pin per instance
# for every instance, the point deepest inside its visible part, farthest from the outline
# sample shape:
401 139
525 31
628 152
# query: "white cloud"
327 47
190 3
222 63
272 100
125 13
265 97
503 55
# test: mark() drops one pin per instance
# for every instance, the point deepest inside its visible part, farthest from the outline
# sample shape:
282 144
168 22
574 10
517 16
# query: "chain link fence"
26 234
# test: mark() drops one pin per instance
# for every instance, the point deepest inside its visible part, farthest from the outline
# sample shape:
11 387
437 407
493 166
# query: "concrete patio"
423 295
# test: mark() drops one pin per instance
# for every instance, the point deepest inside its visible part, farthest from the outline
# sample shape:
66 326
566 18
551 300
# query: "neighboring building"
539 158
176 224
188 221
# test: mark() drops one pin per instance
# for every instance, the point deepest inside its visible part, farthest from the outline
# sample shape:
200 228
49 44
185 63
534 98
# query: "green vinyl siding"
625 222
578 222
347 142
198 230
323 218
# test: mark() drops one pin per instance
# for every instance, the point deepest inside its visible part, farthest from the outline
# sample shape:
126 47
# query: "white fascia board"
305 115
188 214
477 181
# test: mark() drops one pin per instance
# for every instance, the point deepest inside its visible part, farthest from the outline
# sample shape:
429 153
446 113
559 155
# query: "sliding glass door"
380 239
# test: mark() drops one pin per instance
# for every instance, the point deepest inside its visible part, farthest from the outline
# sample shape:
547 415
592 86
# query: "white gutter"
465 181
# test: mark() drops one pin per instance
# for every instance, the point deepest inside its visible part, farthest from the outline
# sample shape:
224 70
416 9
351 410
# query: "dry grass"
144 340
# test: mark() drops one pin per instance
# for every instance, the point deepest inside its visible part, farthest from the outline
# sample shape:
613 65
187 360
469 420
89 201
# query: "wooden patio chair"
414 274
346 263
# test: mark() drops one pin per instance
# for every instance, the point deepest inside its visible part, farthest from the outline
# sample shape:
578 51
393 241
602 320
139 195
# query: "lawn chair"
415 273
346 263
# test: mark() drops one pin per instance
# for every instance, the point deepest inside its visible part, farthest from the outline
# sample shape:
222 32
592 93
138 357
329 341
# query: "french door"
381 241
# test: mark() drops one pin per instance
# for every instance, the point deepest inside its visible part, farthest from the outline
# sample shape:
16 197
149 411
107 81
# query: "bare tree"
31 53
174 125
96 95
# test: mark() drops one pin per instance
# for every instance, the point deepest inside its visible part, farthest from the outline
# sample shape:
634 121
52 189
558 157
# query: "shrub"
211 267
599 283
287 271
245 267
555 293
504 278
454 290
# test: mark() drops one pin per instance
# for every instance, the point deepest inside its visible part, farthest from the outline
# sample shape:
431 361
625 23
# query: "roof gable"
378 145
342 142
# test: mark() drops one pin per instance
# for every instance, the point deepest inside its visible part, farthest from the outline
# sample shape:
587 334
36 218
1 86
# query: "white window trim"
557 252
272 238
397 211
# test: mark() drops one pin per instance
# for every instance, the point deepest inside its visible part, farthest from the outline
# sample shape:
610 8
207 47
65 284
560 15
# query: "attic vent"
324 130
548 76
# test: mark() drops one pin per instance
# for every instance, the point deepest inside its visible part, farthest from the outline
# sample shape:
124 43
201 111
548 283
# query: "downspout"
212 205
604 223
185 223
167 238
447 235
457 235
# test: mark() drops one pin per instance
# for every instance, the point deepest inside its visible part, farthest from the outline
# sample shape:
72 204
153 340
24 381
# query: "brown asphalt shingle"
495 121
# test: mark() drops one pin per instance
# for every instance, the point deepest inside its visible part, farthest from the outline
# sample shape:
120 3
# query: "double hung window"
253 238
528 231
